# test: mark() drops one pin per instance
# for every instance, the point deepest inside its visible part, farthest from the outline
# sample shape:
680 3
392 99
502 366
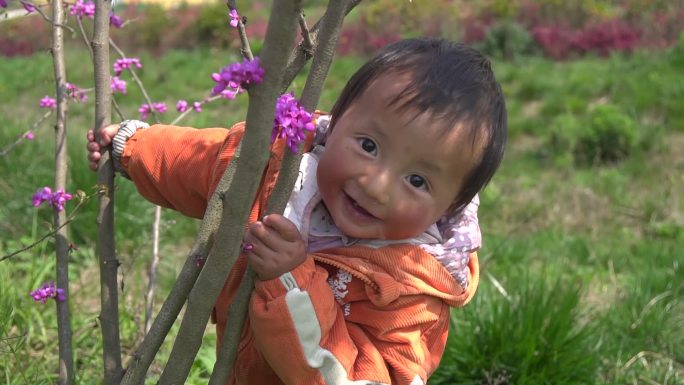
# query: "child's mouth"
357 209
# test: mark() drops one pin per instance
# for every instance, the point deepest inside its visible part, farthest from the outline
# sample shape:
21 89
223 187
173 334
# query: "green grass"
581 266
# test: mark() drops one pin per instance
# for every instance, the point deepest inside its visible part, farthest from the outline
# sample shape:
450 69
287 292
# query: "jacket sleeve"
178 167
399 343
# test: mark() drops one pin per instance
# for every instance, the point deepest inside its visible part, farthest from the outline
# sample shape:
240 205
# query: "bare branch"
137 80
152 271
109 264
307 43
54 23
49 234
298 57
84 37
66 356
5 150
245 49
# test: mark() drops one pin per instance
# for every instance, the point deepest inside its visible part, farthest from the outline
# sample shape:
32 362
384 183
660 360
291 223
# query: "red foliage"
24 36
606 37
358 39
556 41
561 42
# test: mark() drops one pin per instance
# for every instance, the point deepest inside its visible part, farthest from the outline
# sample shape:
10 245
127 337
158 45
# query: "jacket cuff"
126 129
299 278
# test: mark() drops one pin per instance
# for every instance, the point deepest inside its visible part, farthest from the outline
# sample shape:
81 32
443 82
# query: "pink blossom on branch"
81 8
197 106
236 75
115 20
125 63
55 199
234 18
181 106
146 109
48 102
47 291
29 135
118 85
291 121
76 93
42 195
29 7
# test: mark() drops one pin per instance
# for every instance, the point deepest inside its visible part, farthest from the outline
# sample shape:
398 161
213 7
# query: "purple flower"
234 18
124 63
115 20
3 3
48 102
76 93
161 107
118 85
29 7
81 8
236 75
197 106
47 291
57 199
291 121
181 106
146 109
41 195
29 135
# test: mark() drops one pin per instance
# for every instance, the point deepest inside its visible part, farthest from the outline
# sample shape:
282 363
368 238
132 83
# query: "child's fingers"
287 230
260 234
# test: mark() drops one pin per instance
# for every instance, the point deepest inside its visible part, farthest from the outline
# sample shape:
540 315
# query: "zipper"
353 273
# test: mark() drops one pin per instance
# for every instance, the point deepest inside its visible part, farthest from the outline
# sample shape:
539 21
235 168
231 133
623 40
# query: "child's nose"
376 185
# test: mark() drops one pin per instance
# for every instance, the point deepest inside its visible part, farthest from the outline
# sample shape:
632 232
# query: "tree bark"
66 357
109 264
279 36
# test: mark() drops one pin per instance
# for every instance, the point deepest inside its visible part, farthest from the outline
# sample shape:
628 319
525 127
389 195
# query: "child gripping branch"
380 235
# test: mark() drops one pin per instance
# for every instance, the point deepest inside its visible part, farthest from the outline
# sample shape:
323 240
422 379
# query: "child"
380 234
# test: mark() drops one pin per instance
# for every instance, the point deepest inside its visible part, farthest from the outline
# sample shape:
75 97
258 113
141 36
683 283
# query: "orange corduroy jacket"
351 315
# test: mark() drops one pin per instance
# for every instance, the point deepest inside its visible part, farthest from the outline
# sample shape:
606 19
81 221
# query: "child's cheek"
409 221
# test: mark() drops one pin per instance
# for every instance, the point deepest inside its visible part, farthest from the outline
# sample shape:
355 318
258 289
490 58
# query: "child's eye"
368 145
417 181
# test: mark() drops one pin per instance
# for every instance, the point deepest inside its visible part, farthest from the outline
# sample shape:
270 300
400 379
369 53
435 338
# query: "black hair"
450 80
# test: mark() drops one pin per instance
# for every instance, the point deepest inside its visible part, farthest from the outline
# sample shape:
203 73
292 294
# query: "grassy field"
581 264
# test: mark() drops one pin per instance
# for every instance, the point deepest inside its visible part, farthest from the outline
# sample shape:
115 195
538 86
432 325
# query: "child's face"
387 175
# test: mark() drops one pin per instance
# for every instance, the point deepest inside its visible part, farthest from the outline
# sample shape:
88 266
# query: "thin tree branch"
66 356
52 22
84 36
237 200
186 112
146 96
35 243
307 43
245 48
299 55
4 151
109 264
44 237
331 24
149 297
135 374
231 335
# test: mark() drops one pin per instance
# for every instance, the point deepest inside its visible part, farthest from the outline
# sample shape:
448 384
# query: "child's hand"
277 247
95 148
